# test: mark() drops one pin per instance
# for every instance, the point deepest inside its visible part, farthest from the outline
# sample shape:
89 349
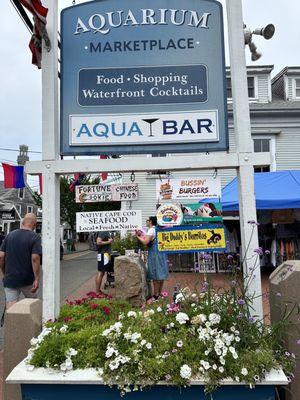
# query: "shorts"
104 262
13 294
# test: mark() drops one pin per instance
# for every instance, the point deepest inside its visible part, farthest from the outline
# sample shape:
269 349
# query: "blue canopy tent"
273 190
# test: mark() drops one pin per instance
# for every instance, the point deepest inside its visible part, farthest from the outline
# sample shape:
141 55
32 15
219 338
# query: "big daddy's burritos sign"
97 221
187 189
188 240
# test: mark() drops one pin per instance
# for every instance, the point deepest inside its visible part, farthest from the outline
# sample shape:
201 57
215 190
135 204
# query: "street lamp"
267 32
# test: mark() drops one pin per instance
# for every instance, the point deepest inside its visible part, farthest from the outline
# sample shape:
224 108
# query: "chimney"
23 155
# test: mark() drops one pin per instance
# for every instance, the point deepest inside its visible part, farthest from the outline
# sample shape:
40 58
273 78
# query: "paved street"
76 269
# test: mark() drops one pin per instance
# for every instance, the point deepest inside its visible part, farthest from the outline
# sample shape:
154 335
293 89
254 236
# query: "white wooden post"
51 198
242 129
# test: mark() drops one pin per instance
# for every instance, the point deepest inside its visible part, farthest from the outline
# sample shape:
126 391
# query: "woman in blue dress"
158 269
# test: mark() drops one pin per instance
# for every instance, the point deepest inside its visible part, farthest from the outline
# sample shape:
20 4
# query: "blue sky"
20 100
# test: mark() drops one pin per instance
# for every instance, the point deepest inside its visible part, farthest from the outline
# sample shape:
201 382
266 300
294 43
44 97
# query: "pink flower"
164 294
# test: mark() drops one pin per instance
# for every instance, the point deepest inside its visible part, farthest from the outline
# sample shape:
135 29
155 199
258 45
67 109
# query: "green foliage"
129 242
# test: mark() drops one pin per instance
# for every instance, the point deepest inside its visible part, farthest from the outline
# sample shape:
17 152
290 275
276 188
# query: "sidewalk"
79 246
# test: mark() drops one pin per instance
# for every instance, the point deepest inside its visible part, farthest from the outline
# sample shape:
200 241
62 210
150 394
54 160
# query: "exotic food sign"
97 221
187 240
140 78
187 189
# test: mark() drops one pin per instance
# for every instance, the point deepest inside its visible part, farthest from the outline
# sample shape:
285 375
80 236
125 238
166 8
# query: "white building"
275 122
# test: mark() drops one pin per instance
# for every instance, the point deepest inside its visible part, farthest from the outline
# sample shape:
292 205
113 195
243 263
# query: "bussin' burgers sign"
190 188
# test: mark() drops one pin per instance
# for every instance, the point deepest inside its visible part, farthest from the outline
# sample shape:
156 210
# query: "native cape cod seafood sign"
142 77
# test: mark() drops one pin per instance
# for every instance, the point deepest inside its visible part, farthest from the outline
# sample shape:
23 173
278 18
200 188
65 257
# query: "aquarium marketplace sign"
142 77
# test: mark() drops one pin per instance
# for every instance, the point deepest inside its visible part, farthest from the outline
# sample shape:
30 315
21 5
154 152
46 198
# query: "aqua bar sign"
143 78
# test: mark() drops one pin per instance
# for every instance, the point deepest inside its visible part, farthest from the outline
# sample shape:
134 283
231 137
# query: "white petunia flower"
179 298
182 318
185 372
159 309
221 369
131 314
63 329
214 318
179 343
143 342
244 371
134 337
149 346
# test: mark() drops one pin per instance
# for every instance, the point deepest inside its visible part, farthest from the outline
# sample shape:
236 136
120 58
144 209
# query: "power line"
17 150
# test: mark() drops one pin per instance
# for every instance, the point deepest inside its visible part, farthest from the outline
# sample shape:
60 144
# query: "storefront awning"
273 190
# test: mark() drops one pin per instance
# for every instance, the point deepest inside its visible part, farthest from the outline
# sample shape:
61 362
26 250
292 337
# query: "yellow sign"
189 240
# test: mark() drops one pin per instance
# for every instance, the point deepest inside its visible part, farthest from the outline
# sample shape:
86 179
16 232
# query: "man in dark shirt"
103 242
20 261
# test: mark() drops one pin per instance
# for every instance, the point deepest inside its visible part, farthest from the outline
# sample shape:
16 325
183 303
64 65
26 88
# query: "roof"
276 105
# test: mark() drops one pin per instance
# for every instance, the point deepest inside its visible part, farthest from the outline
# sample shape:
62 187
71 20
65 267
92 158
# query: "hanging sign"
187 189
97 221
8 216
188 240
169 215
140 78
100 193
125 192
92 193
195 213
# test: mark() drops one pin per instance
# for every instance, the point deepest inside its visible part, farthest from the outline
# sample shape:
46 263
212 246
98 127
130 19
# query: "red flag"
104 175
39 13
13 176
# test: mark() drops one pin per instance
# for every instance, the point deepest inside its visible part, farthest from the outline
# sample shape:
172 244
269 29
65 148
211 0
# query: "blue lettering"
186 127
113 129
135 129
205 124
103 133
84 130
169 127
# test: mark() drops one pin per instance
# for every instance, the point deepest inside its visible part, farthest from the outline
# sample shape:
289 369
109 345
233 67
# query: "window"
21 193
30 209
19 209
263 168
251 87
261 145
297 88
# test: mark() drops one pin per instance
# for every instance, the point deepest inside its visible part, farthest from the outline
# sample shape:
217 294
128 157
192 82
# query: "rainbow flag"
13 176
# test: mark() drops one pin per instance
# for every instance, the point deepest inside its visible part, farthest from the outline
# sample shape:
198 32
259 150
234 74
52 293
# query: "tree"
68 206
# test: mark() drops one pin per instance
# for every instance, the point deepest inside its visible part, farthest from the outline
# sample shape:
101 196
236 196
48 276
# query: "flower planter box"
41 384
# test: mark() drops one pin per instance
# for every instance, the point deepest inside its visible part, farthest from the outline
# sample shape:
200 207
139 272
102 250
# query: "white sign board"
92 193
189 188
99 193
97 221
115 129
127 191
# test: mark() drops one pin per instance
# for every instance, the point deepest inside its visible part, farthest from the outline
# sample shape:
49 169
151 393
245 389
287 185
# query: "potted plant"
206 343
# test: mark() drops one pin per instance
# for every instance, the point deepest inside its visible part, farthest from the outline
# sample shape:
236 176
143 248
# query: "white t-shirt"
151 232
